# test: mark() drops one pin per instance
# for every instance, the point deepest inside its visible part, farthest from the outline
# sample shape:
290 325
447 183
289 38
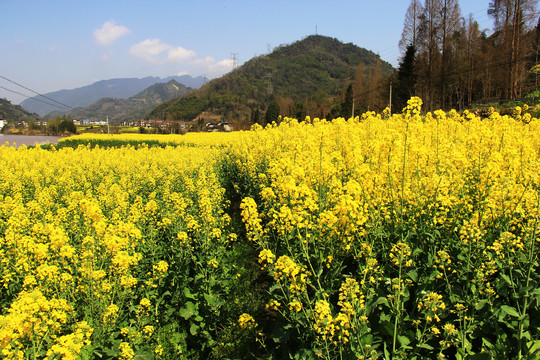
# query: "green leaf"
425 346
524 290
386 353
188 311
480 304
506 279
211 300
536 294
533 346
509 310
194 329
413 275
188 294
403 340
274 288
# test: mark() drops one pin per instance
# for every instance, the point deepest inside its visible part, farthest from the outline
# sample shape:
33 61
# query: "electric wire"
35 92
28 96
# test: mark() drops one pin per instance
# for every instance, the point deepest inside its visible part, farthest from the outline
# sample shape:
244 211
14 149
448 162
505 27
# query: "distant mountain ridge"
121 88
134 108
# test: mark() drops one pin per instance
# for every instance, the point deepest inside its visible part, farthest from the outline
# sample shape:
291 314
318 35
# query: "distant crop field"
406 236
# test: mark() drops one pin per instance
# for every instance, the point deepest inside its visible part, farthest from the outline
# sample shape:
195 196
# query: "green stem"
403 173
398 307
531 264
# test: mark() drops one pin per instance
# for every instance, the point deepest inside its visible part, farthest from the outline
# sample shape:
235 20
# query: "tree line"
450 62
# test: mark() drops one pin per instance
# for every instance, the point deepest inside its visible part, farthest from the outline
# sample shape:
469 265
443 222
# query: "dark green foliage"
347 105
60 125
406 80
272 114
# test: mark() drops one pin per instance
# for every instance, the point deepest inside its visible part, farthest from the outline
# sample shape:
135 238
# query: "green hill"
136 106
15 113
307 77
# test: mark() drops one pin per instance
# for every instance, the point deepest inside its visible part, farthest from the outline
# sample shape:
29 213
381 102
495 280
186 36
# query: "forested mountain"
308 77
450 62
113 88
15 113
135 107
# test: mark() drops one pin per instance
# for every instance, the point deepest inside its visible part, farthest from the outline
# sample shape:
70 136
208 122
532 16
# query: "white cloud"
213 67
182 73
109 32
148 50
179 54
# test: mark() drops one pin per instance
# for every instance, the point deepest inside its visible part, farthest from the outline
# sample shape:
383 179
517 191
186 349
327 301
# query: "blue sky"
49 45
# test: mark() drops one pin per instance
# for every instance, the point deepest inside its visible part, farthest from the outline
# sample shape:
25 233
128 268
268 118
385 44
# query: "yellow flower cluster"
432 305
251 219
324 322
69 346
74 225
349 298
414 105
266 257
380 197
31 317
399 255
91 233
246 321
286 270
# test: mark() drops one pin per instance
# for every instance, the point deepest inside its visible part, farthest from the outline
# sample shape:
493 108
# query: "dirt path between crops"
19 140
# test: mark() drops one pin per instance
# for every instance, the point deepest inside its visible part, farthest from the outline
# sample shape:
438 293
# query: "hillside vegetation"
307 77
14 113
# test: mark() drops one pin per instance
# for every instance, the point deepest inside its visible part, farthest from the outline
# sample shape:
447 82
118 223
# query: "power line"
28 96
35 92
58 104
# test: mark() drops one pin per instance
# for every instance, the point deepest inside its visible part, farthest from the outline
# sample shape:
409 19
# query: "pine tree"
272 113
347 105
406 79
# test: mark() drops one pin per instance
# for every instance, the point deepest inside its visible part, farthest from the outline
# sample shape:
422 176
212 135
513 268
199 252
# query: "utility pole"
108 131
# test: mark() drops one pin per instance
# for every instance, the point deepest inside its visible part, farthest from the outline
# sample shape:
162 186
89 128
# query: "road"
19 140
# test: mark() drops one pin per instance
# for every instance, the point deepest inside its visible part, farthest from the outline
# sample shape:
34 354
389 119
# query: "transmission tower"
234 58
